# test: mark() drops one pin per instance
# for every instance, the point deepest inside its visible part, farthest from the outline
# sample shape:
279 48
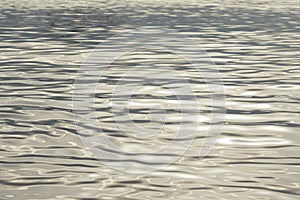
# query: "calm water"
255 46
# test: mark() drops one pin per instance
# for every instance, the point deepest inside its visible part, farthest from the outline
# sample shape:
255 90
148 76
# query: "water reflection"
255 46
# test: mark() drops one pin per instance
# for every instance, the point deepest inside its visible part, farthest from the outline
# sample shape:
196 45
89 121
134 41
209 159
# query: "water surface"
255 47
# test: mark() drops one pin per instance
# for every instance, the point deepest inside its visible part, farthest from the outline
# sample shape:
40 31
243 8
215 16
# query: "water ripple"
255 46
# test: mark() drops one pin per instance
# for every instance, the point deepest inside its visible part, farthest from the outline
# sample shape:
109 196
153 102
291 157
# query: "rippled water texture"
255 46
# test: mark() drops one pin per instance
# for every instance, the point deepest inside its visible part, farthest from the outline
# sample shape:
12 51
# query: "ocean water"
47 50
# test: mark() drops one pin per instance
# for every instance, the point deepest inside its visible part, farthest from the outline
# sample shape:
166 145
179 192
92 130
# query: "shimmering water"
255 46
